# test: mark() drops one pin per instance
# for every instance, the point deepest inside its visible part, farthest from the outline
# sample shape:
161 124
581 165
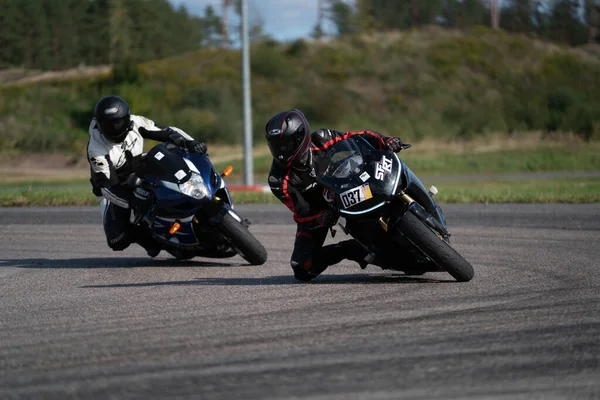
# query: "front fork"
384 222
412 206
388 222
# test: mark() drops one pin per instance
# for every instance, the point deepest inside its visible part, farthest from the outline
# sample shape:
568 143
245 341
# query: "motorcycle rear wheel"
434 247
242 240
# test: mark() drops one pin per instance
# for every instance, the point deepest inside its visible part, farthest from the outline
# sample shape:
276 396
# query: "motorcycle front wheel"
434 247
242 240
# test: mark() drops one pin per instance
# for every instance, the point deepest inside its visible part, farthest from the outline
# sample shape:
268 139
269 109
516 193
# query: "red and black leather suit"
296 186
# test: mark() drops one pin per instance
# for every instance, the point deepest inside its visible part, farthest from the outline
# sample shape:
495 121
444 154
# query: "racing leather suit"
297 188
110 165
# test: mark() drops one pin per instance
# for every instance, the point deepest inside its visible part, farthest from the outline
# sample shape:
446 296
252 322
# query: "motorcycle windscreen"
165 164
206 170
361 176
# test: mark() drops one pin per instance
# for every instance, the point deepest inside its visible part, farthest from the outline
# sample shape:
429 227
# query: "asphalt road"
80 321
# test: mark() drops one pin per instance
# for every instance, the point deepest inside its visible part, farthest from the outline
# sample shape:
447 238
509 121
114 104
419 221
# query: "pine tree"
11 30
35 36
119 24
382 15
565 24
94 28
211 27
343 16
517 16
592 18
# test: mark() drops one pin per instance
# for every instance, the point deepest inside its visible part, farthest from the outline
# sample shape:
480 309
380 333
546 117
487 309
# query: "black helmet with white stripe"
113 118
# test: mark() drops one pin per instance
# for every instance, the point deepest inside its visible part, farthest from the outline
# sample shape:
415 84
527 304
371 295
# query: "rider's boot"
153 251
355 252
144 238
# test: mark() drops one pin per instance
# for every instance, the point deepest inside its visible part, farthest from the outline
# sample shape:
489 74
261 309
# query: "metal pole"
248 168
495 14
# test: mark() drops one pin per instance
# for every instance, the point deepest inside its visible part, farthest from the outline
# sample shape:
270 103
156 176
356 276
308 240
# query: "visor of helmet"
284 148
114 129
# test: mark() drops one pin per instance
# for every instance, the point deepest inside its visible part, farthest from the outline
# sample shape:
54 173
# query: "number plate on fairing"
356 195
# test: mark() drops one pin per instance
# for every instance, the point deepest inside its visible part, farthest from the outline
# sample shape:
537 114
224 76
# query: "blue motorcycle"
185 203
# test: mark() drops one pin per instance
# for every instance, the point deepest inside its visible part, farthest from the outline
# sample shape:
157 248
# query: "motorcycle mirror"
227 171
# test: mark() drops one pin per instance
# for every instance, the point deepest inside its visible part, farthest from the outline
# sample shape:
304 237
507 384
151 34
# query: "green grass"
77 196
428 160
568 158
18 183
47 197
528 191
509 161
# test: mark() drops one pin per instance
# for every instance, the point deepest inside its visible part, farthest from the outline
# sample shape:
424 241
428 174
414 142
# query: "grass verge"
492 154
583 190
568 158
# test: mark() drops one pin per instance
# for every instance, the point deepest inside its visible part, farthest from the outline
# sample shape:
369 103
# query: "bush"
202 97
323 109
269 62
297 48
428 83
126 71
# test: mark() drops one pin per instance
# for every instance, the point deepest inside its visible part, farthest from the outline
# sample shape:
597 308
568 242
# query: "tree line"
56 35
61 34
573 22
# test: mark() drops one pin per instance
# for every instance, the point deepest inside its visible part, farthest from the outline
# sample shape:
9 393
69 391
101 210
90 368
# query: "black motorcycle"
185 204
388 210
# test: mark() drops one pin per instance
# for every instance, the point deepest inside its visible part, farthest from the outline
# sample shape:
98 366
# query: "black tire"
424 238
242 240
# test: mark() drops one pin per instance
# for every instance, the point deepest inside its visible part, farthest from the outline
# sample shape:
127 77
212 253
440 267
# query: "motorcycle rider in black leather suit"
114 150
297 155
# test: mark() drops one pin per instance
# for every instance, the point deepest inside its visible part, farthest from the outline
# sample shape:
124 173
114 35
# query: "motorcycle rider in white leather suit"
114 150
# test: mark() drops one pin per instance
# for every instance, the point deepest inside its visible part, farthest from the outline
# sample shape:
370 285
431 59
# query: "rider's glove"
393 144
327 218
133 181
193 146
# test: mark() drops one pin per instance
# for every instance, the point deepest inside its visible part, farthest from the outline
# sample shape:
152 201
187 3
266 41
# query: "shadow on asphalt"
99 262
285 280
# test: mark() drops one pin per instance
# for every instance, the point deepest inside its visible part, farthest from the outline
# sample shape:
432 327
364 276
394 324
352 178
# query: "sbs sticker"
356 195
383 168
364 176
159 156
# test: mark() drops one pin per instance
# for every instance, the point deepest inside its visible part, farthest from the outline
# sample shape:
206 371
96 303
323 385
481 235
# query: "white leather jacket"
109 160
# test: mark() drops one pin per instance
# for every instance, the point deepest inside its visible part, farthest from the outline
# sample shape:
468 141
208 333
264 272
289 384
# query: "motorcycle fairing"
167 168
184 237
165 164
363 176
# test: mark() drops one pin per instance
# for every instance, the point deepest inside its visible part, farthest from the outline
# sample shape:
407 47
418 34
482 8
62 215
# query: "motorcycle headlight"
195 187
